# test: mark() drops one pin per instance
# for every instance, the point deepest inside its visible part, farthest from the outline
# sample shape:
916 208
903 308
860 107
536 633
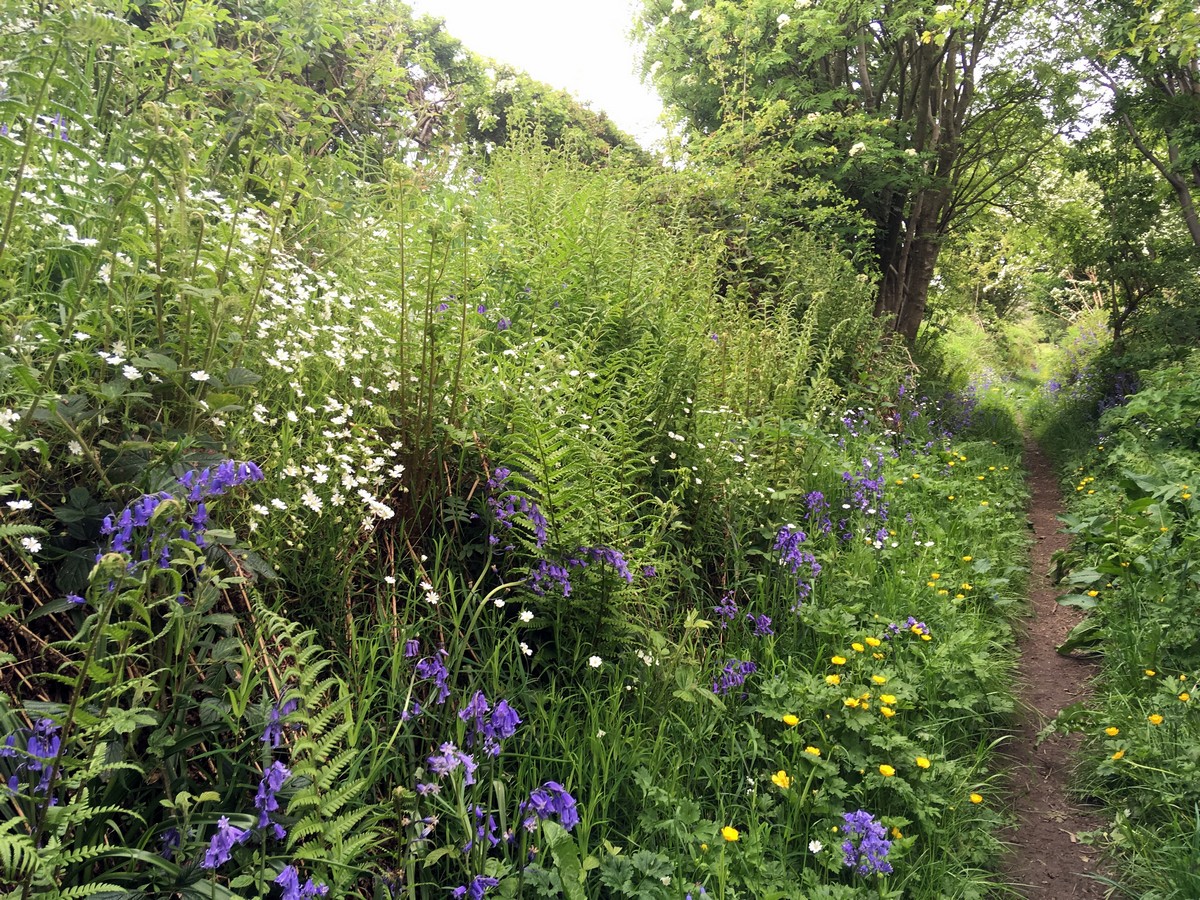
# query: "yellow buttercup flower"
967 558
1154 719
1112 731
838 660
896 833
781 779
976 798
730 833
887 711
1119 754
879 679
873 642
857 647
926 637
852 702
1150 673
812 751
1093 593
889 699
886 771
791 720
1185 697
923 762
833 679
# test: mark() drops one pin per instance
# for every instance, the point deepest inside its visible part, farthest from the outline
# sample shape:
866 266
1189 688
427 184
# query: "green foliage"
1131 566
530 429
153 724
844 110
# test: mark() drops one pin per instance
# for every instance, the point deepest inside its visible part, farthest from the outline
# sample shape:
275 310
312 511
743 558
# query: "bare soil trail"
1046 860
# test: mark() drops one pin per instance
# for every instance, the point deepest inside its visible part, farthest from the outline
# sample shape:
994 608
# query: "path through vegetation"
1047 861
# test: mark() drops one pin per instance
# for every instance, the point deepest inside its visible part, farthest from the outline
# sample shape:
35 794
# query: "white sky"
579 45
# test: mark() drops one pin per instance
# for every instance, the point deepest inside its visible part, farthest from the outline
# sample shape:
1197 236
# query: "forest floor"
1047 860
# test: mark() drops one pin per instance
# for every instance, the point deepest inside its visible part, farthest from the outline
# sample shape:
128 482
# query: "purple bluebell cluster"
215 482
486 829
42 745
273 732
266 801
911 626
137 515
505 505
817 510
289 880
491 726
864 487
733 675
448 758
866 846
726 610
221 846
856 422
431 668
476 889
201 485
547 572
551 799
762 625
802 564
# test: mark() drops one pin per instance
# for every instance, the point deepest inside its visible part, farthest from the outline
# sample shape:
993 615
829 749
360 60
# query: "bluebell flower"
762 625
866 846
273 733
432 669
289 880
476 889
803 565
450 758
42 746
551 799
265 800
222 844
733 674
726 610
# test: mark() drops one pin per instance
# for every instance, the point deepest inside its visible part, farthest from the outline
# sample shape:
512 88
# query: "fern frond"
18 857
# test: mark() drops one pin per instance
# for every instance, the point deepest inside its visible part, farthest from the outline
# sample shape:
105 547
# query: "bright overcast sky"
579 45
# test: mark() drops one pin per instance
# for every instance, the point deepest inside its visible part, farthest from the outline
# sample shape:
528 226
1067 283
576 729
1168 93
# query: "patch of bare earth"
1046 861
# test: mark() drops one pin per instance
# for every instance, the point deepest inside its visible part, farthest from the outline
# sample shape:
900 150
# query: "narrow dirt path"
1046 861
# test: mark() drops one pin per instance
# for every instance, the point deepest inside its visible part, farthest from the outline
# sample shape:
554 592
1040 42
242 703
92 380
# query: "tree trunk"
908 267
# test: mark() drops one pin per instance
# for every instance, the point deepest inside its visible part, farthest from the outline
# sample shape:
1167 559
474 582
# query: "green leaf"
566 859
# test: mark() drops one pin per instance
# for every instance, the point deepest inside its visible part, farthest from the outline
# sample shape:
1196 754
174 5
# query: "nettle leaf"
240 377
157 362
